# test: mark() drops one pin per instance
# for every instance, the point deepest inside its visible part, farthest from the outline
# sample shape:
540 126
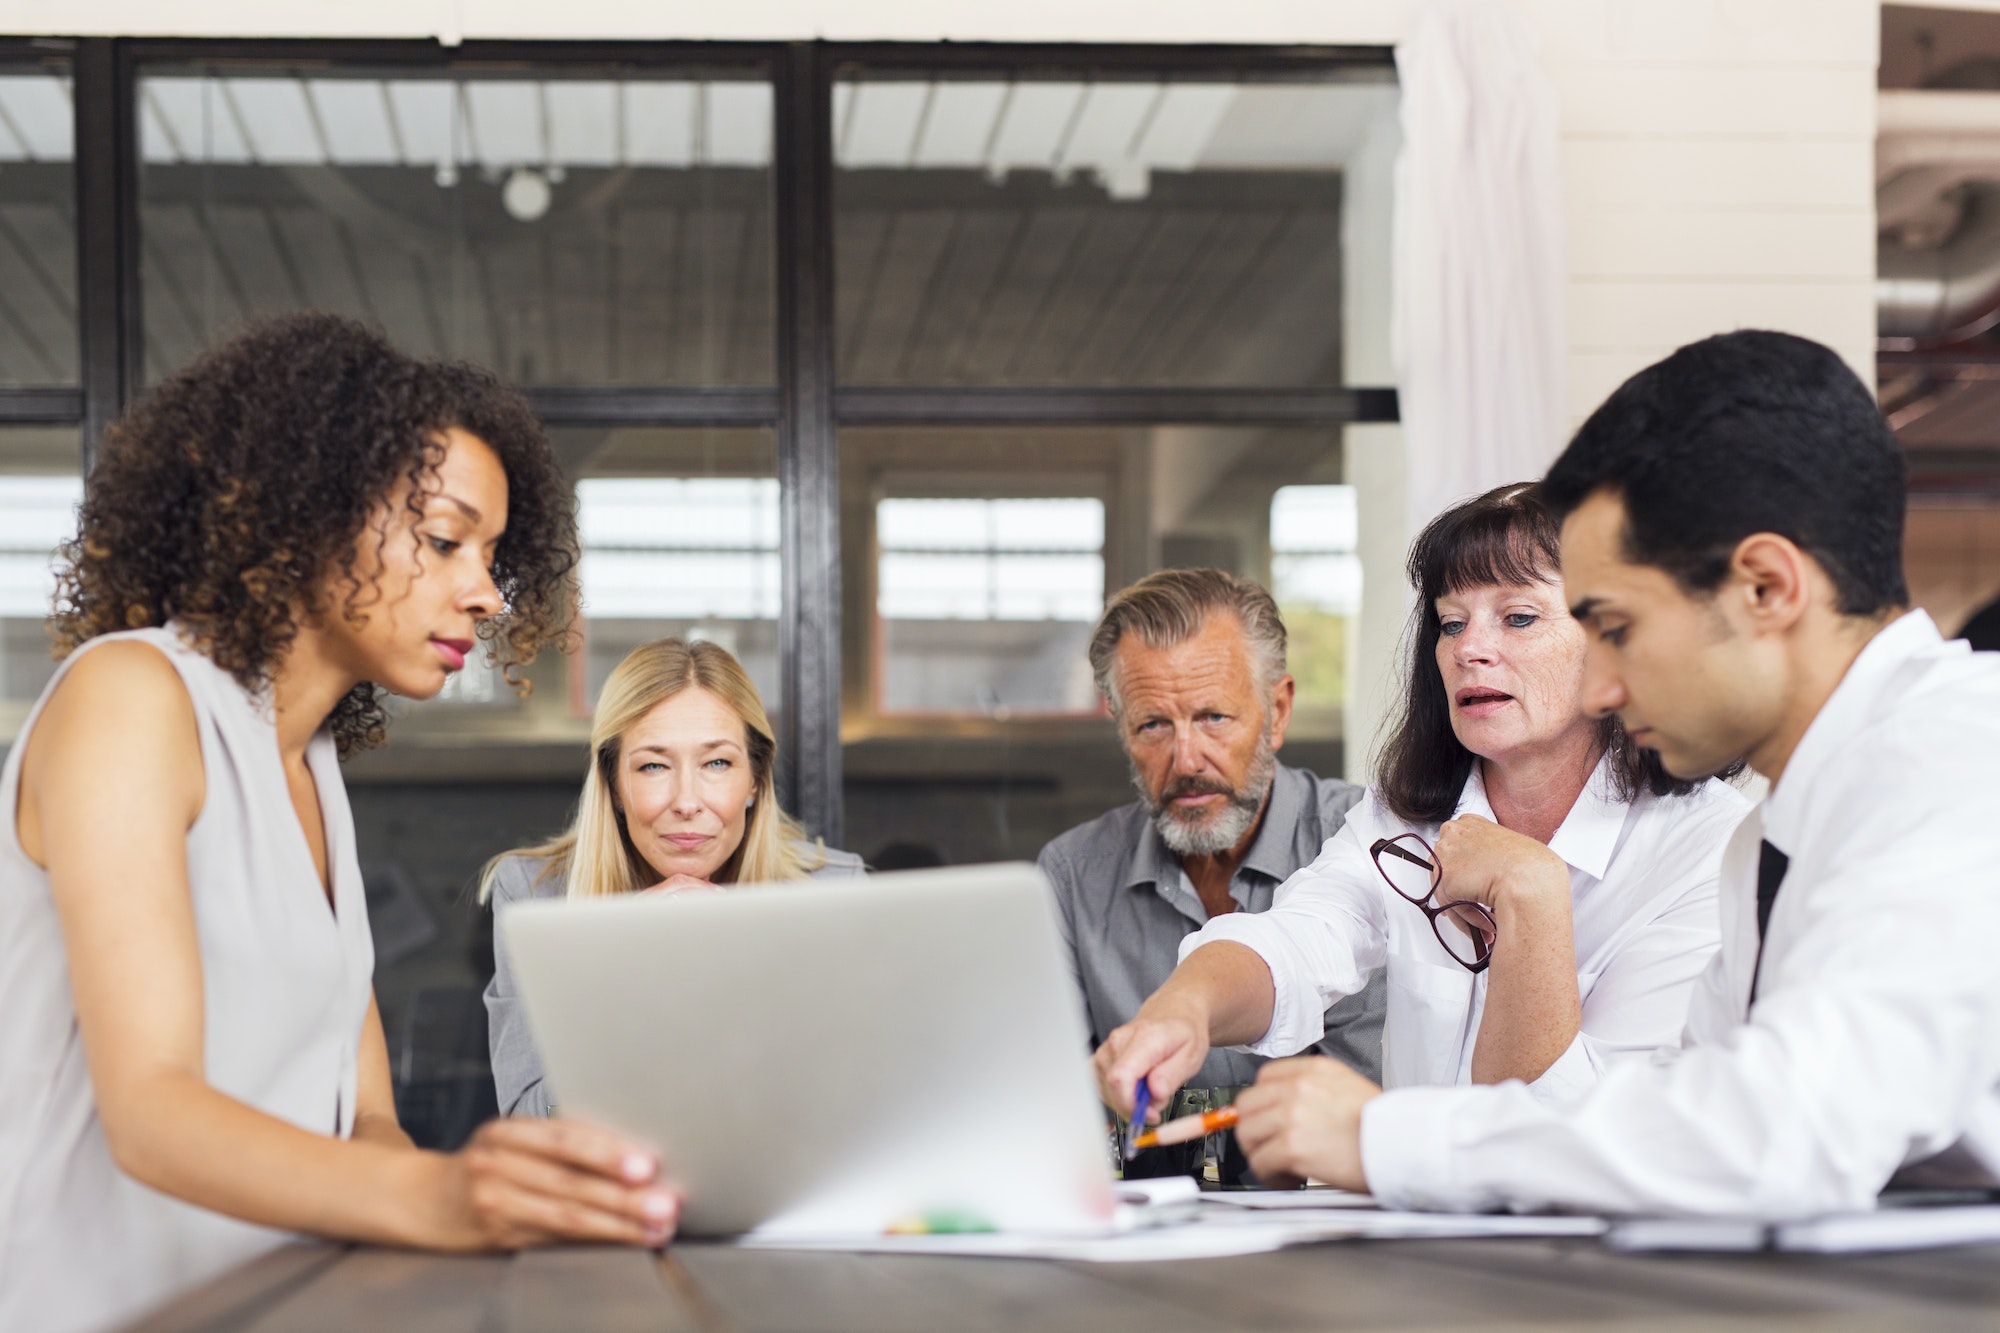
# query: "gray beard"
1223 829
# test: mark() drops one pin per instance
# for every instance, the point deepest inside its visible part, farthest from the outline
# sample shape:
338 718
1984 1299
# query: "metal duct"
1947 293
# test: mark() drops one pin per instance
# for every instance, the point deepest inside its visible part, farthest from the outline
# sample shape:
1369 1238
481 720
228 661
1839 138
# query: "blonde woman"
679 796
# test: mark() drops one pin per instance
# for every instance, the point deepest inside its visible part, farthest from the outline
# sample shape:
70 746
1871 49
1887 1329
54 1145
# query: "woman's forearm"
1533 1011
1226 987
381 1129
1220 995
210 1150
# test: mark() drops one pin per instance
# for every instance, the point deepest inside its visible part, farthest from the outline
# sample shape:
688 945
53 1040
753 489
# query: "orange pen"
1188 1127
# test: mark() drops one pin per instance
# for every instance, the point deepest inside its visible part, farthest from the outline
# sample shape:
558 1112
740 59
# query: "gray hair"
1170 607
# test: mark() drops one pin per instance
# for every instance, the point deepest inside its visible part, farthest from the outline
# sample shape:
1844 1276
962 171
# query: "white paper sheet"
1216 1233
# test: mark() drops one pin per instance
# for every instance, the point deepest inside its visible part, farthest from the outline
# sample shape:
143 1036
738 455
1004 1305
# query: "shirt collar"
1853 705
1270 851
1588 834
1152 861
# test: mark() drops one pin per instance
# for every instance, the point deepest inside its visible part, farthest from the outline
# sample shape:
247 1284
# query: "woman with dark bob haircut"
297 523
1540 891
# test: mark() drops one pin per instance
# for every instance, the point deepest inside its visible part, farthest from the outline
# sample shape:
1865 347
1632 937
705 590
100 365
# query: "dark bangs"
1506 536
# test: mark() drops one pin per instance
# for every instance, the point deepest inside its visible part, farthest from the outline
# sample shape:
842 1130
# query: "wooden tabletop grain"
1488 1285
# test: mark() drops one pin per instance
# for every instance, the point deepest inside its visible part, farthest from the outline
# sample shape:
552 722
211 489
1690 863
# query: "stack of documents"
1172 1219
1162 1224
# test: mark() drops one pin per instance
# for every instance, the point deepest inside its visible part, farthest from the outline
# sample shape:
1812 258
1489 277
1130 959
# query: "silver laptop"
830 1058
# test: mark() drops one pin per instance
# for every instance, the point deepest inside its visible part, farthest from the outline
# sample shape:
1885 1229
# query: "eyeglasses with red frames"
1466 930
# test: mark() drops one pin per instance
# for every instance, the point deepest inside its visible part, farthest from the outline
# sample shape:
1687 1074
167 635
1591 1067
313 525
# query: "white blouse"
285 989
1642 893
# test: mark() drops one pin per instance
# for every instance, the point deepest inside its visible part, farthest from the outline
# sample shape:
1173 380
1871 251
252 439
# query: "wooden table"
1487 1285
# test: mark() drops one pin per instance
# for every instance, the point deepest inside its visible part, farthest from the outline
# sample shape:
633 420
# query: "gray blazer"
517 1069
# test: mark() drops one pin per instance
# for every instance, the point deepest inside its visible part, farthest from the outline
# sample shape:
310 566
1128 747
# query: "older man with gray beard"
1192 665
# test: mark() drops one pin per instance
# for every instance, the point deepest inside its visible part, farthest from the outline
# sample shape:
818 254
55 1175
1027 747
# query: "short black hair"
1743 433
1506 536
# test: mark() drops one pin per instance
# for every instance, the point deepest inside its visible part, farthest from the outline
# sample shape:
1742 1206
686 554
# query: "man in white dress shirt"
1733 546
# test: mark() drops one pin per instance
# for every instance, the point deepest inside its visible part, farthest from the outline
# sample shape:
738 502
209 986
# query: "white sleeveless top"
285 987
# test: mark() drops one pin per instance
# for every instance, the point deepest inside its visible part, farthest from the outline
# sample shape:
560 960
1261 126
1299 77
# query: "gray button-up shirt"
1126 904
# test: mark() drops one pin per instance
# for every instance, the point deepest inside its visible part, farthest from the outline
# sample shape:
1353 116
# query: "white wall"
1719 160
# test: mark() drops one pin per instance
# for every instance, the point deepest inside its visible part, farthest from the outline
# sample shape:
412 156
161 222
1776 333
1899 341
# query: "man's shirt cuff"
1406 1149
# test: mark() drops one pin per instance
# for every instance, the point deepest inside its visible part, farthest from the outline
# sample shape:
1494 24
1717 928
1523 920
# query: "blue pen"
1142 1097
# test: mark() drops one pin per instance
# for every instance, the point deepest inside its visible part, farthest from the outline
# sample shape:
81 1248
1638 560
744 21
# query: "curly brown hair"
230 500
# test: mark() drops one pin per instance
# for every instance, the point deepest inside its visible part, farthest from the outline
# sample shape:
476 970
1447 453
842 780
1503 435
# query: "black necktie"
1771 867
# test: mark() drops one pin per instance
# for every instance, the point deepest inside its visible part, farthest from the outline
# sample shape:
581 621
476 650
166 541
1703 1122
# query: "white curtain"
1477 323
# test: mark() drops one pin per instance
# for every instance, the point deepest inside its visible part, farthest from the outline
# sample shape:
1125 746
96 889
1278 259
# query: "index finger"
584 1146
1116 1079
1112 1083
1141 1060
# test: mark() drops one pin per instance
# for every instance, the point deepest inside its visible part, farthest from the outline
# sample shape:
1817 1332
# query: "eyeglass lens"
1465 931
1407 868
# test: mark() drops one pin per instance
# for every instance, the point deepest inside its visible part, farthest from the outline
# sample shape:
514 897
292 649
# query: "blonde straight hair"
596 852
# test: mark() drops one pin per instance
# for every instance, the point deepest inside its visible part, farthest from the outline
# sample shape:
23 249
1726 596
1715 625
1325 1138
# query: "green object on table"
956 1224
941 1224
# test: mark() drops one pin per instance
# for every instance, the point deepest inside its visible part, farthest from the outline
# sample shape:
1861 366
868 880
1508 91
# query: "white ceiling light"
526 195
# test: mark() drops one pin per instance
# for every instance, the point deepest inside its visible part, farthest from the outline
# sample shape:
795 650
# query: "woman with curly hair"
300 521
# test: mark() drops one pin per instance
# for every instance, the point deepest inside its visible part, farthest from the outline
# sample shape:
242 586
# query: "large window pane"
1316 579
1140 231
976 562
984 604
680 536
41 484
564 228
38 322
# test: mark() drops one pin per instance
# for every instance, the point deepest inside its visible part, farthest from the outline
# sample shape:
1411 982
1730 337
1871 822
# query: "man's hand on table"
1303 1119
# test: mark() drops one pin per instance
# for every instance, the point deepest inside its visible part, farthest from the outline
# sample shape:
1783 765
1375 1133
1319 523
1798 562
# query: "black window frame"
806 407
